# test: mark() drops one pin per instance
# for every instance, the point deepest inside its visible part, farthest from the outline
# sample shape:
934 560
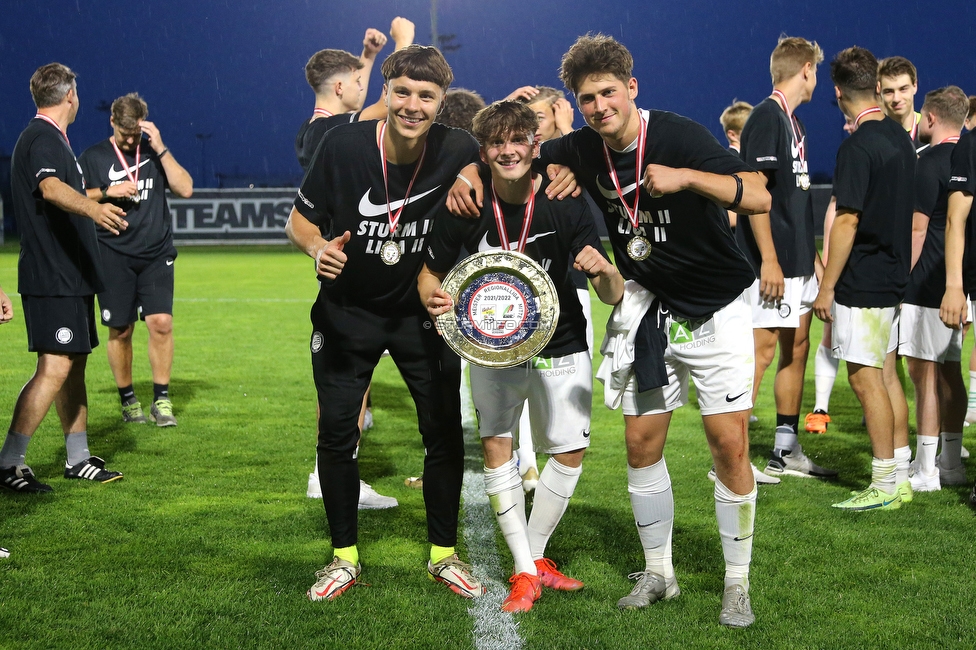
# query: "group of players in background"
714 263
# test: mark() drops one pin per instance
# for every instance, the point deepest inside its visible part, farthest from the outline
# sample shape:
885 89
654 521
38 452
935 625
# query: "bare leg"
160 328
39 392
119 350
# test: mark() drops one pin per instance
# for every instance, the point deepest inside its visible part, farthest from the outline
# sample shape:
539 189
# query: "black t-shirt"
769 146
875 176
559 231
150 231
963 179
343 190
58 249
695 266
311 132
926 285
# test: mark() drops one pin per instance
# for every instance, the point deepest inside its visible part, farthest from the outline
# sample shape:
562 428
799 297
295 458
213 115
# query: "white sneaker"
4 553
457 575
964 454
370 499
314 490
922 482
530 480
761 479
951 475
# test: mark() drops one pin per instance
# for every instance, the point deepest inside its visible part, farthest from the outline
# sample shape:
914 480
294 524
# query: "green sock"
439 553
350 554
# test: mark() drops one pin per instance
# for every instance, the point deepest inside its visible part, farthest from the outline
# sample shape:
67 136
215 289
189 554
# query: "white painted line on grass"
493 628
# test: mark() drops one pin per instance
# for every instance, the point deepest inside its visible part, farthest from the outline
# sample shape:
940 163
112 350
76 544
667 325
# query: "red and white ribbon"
632 214
395 218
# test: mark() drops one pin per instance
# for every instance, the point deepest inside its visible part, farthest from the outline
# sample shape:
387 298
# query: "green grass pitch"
209 541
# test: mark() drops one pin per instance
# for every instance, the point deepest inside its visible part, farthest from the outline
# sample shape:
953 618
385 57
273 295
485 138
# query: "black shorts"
60 324
134 287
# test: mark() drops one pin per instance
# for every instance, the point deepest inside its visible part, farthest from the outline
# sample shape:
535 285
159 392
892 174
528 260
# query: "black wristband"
104 195
163 152
738 192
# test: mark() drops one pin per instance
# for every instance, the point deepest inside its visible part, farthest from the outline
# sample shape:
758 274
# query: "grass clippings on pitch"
209 541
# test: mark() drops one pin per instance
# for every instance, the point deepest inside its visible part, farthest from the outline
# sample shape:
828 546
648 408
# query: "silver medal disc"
638 249
390 253
804 182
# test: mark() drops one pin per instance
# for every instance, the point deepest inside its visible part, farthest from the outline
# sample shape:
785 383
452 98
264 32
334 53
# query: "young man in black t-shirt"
132 170
558 382
336 77
340 81
780 244
960 239
664 184
868 266
375 188
897 87
932 350
57 281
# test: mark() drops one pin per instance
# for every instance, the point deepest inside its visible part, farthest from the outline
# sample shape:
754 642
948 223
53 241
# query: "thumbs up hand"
330 259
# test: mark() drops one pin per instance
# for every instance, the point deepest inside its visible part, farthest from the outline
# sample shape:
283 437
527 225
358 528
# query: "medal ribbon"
632 215
55 125
526 221
914 130
952 138
321 112
866 111
794 125
395 218
125 165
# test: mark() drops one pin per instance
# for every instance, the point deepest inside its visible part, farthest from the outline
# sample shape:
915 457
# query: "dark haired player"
340 82
558 382
932 350
336 77
664 183
780 244
375 189
960 235
132 170
897 87
868 266
57 280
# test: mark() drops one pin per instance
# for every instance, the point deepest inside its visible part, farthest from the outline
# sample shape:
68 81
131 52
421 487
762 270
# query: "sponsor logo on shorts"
555 367
317 341
586 433
106 315
684 337
784 310
730 399
64 336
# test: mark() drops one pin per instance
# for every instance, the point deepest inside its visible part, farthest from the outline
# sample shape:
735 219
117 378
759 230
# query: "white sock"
972 390
883 474
526 454
925 449
504 489
785 438
903 458
556 485
736 515
653 504
951 456
824 374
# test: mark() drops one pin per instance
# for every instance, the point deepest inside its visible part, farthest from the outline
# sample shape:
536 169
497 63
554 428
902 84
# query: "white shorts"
923 335
560 395
864 335
798 297
720 357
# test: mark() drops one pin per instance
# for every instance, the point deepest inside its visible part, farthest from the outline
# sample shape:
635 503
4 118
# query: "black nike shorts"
60 324
134 287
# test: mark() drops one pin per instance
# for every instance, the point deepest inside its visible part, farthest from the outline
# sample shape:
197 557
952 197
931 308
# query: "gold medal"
804 182
638 249
390 253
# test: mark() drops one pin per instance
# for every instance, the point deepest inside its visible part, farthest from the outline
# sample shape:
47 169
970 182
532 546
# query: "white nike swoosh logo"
794 150
169 262
119 175
610 195
483 245
369 209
